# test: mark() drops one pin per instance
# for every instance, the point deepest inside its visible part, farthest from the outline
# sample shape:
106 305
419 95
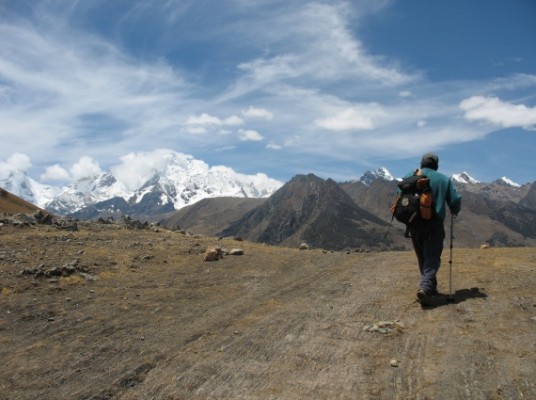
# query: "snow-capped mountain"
162 182
504 181
464 178
177 180
21 185
372 175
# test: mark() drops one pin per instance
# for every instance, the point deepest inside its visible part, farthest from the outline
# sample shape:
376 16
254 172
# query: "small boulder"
213 254
236 252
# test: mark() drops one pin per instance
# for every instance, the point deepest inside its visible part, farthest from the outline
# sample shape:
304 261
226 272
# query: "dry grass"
160 323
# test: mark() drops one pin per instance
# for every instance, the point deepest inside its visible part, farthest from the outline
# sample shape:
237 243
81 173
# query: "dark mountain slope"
491 213
312 210
376 198
517 217
150 206
210 216
529 200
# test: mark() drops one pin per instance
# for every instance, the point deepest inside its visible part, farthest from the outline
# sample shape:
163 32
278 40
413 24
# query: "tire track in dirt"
275 323
407 381
286 279
311 346
238 333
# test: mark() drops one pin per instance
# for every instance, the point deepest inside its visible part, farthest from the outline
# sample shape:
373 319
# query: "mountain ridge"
181 181
178 180
311 210
320 211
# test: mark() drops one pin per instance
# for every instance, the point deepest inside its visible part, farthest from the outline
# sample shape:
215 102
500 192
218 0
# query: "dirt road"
138 314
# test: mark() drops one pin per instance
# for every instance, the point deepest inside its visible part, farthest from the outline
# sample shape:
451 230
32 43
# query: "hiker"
427 236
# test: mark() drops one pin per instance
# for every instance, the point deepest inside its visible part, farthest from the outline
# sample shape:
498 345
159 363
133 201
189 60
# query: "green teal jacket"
443 192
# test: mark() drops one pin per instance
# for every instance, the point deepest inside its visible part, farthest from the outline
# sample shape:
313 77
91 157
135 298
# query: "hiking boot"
423 296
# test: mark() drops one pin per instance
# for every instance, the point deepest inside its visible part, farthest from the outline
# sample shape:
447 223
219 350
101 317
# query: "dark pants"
427 241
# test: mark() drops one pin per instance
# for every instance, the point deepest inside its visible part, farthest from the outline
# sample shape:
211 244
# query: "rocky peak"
464 178
373 175
504 181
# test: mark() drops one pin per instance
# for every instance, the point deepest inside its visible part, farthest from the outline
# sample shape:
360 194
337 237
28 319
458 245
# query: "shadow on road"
456 298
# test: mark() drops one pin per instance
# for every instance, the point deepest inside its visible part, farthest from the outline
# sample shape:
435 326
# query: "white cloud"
205 119
17 161
264 71
352 118
52 79
196 130
333 51
263 182
55 173
85 167
55 78
138 167
320 50
249 135
254 112
233 120
421 123
274 146
492 109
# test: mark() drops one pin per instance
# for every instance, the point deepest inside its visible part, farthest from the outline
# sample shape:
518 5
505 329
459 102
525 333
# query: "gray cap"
430 160
430 156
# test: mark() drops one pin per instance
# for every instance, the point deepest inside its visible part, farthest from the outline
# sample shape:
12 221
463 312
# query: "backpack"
414 202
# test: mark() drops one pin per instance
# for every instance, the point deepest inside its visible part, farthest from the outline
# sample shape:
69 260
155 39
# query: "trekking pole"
450 259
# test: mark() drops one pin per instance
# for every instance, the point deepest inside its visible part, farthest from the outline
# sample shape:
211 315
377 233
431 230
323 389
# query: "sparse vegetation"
159 322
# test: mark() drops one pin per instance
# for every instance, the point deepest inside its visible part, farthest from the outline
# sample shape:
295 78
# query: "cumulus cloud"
85 167
138 167
263 182
207 120
498 112
203 119
254 112
233 120
17 161
249 135
352 118
55 173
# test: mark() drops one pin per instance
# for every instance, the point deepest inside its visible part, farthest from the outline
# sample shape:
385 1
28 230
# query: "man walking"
428 236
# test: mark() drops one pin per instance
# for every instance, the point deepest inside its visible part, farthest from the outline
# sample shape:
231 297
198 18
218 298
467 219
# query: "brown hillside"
11 204
210 216
111 313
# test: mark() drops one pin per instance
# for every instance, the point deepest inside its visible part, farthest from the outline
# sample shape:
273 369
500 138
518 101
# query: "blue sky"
280 87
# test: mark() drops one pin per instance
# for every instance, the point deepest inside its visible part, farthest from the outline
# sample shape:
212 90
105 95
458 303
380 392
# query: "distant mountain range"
355 215
180 180
323 213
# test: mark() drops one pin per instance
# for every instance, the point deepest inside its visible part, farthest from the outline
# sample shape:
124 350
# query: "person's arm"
454 200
